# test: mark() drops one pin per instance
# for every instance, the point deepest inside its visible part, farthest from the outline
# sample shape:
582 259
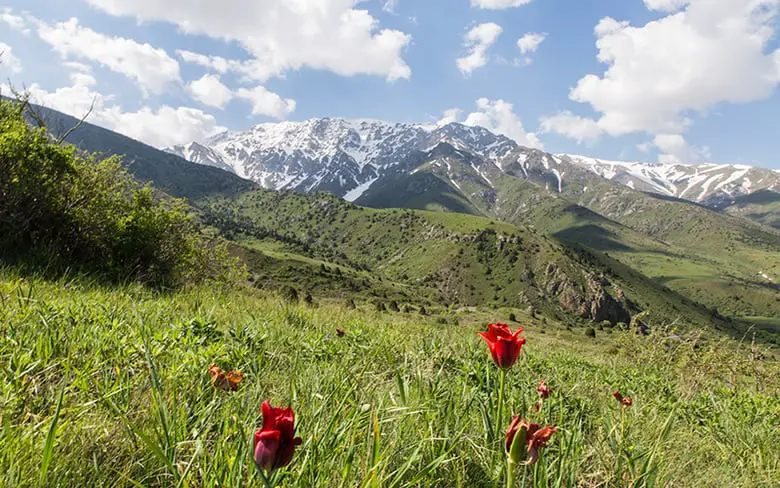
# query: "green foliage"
63 209
109 387
289 294
512 317
590 332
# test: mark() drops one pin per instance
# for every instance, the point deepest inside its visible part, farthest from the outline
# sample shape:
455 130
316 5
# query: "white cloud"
284 35
658 74
666 5
450 115
581 129
498 4
478 40
266 103
675 150
530 42
645 146
216 63
210 91
8 60
151 68
15 22
159 127
498 116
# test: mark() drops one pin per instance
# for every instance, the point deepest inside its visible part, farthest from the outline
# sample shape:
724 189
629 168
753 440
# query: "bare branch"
62 138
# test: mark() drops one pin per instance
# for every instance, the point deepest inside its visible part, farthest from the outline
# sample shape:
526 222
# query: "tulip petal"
267 448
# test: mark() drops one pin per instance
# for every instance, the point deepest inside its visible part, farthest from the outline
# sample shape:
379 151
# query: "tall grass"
109 387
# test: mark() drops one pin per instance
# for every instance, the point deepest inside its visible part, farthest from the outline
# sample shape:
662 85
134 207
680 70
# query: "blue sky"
654 80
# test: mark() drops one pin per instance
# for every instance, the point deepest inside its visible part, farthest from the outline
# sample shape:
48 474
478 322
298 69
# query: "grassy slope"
762 206
138 408
708 257
448 258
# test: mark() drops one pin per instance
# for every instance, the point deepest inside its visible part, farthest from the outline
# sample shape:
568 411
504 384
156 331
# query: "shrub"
590 332
60 209
379 306
394 306
289 294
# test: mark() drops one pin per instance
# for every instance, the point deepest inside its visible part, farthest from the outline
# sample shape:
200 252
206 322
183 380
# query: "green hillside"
762 206
729 264
454 260
109 387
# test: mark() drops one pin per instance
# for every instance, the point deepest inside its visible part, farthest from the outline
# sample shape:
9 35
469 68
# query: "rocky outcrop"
593 301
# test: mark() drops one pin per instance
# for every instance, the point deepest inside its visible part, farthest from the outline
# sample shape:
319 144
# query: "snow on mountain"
715 185
341 156
347 157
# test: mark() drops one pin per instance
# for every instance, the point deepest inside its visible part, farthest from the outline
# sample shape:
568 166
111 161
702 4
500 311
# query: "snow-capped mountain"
341 156
715 185
348 157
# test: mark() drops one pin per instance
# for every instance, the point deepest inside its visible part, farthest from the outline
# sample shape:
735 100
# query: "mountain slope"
172 174
459 259
703 253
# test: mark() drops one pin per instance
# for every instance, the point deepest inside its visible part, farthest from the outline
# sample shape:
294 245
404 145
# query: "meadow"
109 386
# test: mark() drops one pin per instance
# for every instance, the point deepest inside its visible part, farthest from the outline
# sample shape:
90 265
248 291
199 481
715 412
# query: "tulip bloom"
504 345
524 439
275 442
225 381
543 389
624 401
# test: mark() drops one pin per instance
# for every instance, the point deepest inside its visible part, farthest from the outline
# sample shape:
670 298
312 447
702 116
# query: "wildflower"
275 442
543 389
225 381
524 439
504 346
624 401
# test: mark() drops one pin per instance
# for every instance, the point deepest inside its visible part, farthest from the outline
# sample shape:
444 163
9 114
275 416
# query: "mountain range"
511 226
347 157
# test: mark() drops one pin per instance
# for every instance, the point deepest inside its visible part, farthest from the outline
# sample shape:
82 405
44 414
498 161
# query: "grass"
109 387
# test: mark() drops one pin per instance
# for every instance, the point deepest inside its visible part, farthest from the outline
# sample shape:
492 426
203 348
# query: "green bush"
63 209
590 332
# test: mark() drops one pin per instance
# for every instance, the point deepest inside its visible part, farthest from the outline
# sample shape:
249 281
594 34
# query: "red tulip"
504 346
276 441
543 389
533 436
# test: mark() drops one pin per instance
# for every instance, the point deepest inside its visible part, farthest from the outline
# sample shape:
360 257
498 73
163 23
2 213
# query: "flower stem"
500 404
266 481
510 473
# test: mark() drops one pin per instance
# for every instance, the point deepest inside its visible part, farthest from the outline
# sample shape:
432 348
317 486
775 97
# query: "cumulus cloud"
530 42
283 35
266 103
581 129
498 4
675 150
711 52
151 68
498 116
215 63
209 90
14 21
7 59
160 127
478 41
450 115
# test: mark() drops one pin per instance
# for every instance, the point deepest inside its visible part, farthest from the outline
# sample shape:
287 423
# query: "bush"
590 332
289 294
63 209
394 306
380 307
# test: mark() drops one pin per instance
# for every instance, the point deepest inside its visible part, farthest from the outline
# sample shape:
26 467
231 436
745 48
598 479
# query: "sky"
684 81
